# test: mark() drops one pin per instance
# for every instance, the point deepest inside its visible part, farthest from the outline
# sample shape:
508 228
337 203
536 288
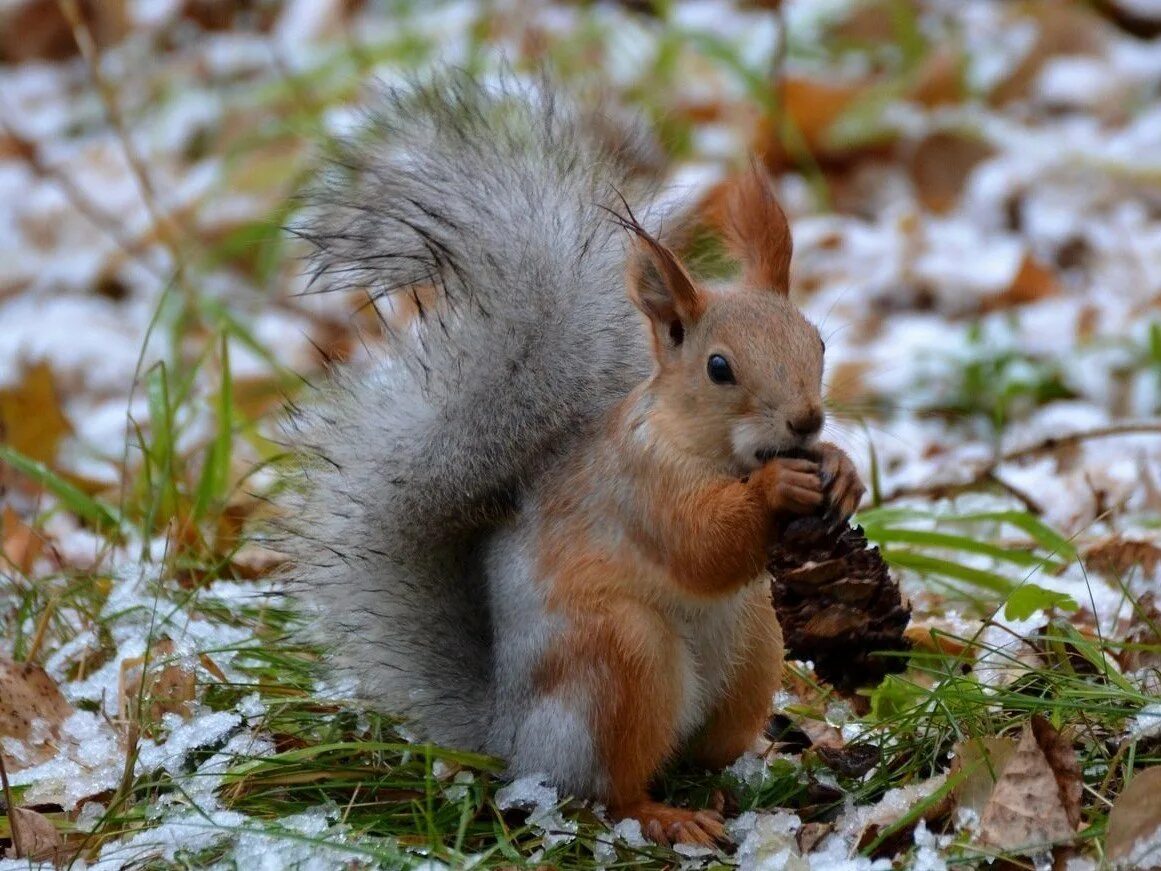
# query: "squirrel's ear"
660 286
757 232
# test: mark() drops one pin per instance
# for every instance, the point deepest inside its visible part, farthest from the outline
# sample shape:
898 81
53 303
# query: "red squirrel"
537 527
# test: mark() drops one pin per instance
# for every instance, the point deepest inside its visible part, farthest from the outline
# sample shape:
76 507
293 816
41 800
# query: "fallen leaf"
21 544
1118 556
812 107
39 30
939 636
1033 281
252 561
1058 750
1134 828
940 165
1036 800
852 760
980 761
939 81
811 835
32 709
170 688
31 420
34 836
1141 653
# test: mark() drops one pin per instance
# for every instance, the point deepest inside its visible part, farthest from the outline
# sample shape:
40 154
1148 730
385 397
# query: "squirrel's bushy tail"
496 199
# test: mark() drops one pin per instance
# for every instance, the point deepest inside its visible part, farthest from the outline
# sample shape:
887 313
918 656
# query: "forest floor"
975 195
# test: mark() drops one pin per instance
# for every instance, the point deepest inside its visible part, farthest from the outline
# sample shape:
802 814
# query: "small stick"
8 805
987 472
41 630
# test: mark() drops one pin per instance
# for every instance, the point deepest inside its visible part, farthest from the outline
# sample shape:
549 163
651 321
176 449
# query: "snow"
89 760
1146 724
531 794
1145 852
1077 156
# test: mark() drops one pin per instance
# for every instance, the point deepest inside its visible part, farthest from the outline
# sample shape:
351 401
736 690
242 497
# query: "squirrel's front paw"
792 485
840 482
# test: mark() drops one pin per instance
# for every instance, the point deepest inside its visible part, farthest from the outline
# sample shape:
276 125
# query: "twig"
778 72
8 805
1029 503
1076 438
988 472
41 630
170 232
96 215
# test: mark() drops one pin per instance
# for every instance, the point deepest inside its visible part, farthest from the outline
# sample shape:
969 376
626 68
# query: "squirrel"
536 527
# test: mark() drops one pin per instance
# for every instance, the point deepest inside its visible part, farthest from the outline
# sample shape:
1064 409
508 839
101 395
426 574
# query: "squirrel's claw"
667 826
840 482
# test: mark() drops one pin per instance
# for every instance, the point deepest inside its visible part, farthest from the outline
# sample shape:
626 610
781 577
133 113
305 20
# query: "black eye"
719 370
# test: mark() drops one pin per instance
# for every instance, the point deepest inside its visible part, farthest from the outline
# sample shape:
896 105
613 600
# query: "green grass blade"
104 517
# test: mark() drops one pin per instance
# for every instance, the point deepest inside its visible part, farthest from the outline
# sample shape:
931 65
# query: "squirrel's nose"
806 423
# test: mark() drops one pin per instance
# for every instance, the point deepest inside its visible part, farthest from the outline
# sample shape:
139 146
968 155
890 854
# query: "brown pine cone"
837 602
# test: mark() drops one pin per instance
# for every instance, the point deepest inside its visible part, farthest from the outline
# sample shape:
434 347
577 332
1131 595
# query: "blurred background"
974 188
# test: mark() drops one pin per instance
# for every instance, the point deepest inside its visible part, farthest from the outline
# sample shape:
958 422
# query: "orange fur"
757 231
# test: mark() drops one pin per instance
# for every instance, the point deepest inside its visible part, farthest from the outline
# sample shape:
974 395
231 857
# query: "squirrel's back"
493 202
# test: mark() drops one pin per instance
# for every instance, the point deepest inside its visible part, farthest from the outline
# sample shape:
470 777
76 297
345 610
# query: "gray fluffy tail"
497 198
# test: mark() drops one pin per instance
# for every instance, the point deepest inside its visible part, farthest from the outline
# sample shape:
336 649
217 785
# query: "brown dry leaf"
1134 829
811 835
20 543
812 106
34 836
822 734
170 689
1034 281
981 760
939 80
39 30
252 561
1142 650
28 694
1119 556
1036 801
940 165
938 636
31 420
1058 750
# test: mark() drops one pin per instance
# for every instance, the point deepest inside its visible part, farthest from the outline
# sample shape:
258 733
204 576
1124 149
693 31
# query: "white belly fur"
711 636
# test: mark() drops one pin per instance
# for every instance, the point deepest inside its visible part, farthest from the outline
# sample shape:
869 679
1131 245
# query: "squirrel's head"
739 369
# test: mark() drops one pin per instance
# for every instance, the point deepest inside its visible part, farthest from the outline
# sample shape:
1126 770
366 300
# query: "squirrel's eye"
719 370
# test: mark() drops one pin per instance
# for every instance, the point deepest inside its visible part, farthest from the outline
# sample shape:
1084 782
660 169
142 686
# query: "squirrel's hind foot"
668 825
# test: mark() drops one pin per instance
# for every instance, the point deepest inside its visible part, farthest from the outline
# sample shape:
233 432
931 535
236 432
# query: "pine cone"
837 603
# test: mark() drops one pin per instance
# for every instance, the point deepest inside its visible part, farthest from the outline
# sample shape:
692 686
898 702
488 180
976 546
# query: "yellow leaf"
31 420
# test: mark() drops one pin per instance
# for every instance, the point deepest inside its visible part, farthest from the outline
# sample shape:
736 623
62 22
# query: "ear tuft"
661 287
757 231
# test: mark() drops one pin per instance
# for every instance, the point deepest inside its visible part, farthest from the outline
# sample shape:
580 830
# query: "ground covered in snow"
975 193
